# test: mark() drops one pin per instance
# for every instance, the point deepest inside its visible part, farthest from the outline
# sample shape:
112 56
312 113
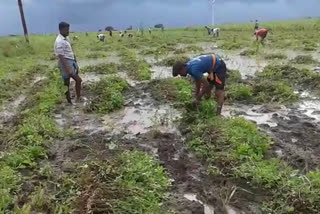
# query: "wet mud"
295 129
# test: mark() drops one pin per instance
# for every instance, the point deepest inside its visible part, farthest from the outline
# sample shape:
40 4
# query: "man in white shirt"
67 61
216 32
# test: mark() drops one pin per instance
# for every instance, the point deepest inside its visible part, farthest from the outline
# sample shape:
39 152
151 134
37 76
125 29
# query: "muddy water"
259 114
247 67
208 209
142 115
161 72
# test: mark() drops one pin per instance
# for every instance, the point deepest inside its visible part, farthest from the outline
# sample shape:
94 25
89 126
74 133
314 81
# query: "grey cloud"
89 15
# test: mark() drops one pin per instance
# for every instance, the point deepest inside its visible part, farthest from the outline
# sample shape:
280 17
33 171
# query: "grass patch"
189 49
302 78
17 79
107 68
107 95
267 91
95 55
170 61
172 89
236 148
248 52
304 59
272 56
136 69
240 92
26 144
131 183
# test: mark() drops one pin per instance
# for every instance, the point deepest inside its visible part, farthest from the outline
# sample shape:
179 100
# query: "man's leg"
67 83
220 80
209 91
78 81
220 100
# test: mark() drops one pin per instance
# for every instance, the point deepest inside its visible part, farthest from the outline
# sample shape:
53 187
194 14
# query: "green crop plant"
136 69
170 61
104 68
173 89
107 95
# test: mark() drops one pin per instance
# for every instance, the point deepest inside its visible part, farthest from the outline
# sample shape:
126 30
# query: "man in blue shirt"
216 69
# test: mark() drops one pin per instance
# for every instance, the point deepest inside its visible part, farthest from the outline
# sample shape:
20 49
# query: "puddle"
141 119
91 77
72 117
256 113
247 67
311 108
208 209
161 72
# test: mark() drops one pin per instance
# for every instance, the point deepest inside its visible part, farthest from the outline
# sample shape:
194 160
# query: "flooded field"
136 144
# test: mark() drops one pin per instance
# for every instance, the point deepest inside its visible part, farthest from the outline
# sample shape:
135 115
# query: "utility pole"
212 12
25 30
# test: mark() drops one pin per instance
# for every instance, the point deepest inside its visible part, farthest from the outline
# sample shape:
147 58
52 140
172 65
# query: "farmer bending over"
101 37
67 60
216 69
262 34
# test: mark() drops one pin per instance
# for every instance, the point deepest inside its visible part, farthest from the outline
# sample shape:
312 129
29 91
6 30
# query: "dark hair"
177 67
63 25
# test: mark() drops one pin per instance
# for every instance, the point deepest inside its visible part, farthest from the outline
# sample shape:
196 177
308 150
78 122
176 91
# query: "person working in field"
67 60
262 34
256 25
197 67
101 37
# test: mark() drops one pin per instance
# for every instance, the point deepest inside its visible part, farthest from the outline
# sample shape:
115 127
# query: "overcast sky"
90 15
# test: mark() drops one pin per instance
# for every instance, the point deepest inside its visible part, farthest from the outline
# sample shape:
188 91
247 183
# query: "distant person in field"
110 33
101 37
261 34
150 31
209 30
216 69
67 60
216 32
256 25
75 38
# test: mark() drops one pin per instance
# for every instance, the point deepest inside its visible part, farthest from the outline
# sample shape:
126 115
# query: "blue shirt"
200 65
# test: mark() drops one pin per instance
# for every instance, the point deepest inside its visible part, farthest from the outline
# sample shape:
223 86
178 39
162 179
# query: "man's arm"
65 64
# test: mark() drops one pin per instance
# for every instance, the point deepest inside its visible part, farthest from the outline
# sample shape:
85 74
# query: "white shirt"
101 36
62 46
